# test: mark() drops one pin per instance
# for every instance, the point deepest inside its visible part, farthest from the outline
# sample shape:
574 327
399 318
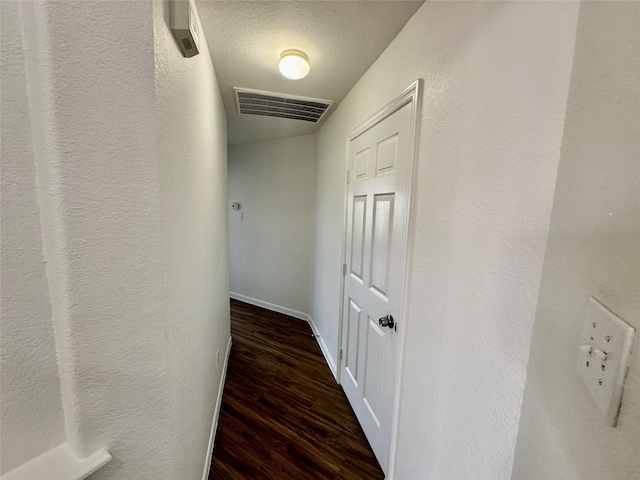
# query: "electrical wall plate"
602 362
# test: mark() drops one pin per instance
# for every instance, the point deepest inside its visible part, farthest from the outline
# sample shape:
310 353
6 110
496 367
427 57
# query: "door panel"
373 374
362 164
376 217
353 327
387 155
382 232
357 240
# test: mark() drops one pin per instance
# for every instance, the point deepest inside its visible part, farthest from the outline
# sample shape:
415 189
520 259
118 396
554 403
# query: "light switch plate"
602 362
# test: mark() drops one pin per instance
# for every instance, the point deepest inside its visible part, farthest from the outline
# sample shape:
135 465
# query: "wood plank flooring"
283 416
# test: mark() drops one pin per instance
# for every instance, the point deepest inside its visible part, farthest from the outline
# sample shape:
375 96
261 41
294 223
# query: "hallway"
283 415
143 186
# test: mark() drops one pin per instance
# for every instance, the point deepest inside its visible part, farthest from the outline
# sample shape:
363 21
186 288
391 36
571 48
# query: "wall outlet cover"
602 362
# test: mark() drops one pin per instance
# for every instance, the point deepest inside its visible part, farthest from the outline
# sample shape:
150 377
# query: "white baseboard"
325 350
216 414
270 306
61 463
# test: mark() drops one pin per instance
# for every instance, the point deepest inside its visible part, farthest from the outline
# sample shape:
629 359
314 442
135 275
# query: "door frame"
411 95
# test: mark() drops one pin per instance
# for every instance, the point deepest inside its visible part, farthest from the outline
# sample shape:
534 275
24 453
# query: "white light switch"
602 363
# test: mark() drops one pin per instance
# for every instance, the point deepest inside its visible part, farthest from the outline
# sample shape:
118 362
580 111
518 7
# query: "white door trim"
411 95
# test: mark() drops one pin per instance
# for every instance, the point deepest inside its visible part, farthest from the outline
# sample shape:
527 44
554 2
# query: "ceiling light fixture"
294 64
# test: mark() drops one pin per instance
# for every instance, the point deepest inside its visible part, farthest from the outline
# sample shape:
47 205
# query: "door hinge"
344 269
348 171
340 354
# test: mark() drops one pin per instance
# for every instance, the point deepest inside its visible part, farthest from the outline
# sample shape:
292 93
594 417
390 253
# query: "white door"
377 213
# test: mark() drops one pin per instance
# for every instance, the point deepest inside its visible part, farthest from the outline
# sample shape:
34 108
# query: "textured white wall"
31 411
593 249
193 190
98 185
270 251
496 82
129 147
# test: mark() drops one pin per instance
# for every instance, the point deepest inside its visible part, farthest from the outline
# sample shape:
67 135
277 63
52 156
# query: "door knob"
386 321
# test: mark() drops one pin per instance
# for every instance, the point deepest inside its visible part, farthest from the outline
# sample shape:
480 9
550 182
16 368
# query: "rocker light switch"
602 362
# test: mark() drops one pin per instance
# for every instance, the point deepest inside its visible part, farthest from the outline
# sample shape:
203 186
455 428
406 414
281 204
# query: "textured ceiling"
341 38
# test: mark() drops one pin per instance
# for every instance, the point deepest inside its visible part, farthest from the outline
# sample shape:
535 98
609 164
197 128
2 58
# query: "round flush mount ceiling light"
294 64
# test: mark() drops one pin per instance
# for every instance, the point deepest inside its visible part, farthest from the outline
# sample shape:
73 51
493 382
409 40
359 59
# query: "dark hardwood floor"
283 416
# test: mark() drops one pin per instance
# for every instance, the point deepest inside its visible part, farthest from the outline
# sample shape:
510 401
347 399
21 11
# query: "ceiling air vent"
269 104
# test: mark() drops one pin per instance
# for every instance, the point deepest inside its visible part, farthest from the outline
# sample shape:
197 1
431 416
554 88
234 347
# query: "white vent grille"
256 102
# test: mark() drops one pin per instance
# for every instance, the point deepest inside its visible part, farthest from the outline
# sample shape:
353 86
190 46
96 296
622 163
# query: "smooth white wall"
129 148
270 250
496 82
192 148
31 410
593 249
